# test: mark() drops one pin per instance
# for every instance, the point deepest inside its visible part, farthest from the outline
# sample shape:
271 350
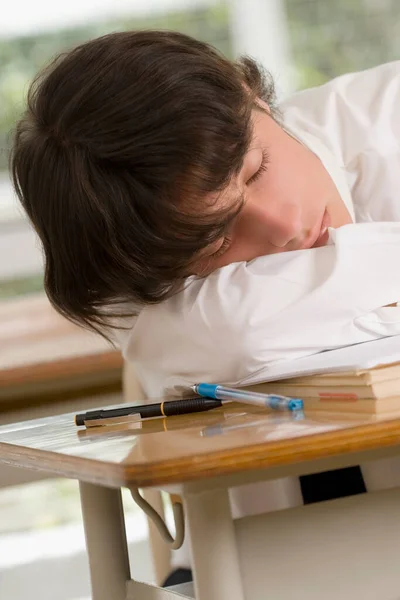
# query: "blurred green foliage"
21 286
329 38
22 57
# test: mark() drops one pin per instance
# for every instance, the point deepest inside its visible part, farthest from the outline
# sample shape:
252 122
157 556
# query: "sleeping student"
208 230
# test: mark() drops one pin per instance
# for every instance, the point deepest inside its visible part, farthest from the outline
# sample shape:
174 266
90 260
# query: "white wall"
20 254
259 29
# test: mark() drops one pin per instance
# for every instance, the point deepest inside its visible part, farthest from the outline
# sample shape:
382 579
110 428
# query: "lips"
323 233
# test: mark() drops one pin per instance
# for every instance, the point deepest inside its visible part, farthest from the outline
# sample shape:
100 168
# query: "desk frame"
217 542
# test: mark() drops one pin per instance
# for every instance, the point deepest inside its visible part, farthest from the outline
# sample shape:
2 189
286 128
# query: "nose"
271 223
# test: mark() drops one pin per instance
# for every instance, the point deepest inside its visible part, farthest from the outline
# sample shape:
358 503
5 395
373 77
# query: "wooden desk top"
41 351
189 447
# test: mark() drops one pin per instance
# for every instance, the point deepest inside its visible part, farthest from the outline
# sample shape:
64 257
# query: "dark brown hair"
122 139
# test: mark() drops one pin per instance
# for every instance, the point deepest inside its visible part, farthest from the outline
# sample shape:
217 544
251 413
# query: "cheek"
293 169
289 172
299 184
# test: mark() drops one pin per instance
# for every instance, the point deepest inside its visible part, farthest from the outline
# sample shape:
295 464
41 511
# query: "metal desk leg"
212 536
105 541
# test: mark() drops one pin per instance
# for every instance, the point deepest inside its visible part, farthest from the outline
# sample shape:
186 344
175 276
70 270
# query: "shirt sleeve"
247 316
357 116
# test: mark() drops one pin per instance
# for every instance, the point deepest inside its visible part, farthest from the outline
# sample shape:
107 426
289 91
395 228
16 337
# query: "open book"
362 378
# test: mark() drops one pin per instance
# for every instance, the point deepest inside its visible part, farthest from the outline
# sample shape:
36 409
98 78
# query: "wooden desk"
49 366
303 552
43 355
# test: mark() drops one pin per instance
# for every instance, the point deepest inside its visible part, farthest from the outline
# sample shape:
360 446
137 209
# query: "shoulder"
363 88
246 316
352 112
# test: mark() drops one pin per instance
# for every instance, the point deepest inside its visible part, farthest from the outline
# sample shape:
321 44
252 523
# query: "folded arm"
246 316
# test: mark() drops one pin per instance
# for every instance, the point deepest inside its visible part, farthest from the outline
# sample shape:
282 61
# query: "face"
289 200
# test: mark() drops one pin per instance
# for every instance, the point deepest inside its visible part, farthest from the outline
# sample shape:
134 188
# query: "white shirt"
244 317
233 324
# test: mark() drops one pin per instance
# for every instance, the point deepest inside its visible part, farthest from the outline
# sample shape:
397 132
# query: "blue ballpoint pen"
272 401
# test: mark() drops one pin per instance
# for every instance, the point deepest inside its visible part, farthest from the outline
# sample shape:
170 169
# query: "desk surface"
185 448
40 350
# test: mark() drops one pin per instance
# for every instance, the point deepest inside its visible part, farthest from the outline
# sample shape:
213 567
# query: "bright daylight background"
303 42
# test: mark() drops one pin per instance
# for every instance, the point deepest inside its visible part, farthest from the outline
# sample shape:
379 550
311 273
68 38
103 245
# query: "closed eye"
223 248
261 169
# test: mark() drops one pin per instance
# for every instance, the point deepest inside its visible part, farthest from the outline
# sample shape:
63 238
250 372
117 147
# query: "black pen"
94 418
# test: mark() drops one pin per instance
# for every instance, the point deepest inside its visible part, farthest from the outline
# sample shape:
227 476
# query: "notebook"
362 378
